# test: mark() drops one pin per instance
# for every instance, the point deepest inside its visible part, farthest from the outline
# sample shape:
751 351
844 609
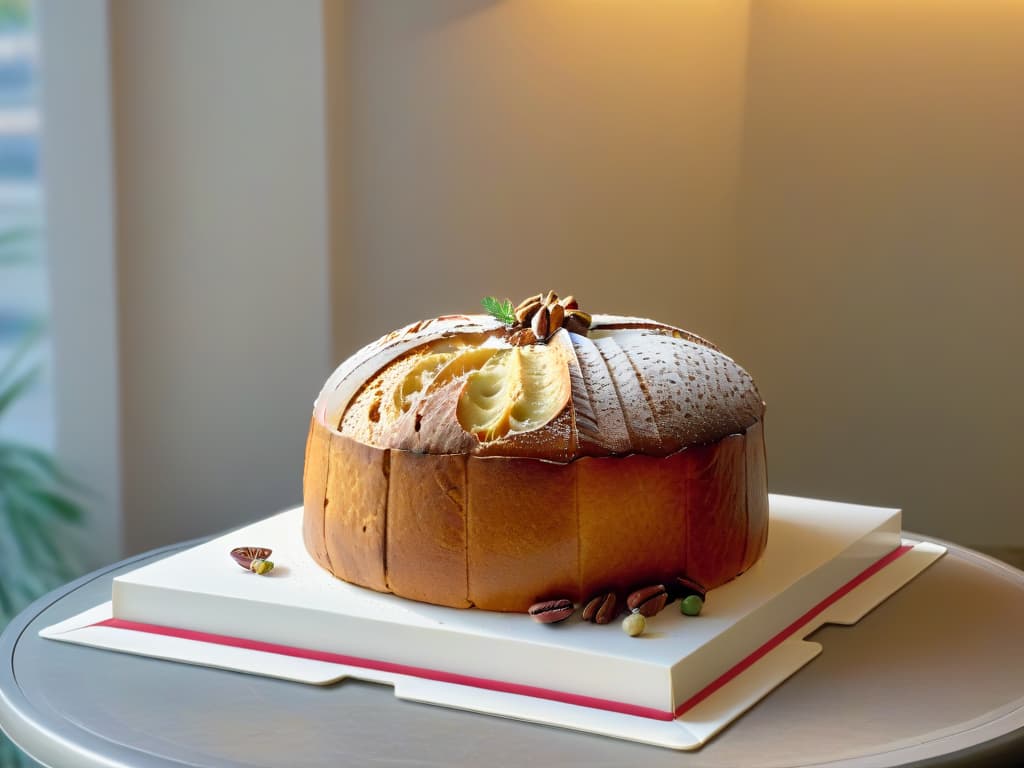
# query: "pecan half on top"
544 314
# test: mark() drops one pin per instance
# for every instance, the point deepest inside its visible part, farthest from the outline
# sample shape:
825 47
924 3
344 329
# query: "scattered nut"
601 609
551 611
649 600
691 605
634 624
259 566
253 559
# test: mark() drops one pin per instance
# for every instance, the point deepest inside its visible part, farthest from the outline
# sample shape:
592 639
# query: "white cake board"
676 686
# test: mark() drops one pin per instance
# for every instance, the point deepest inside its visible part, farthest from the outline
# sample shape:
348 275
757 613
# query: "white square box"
676 685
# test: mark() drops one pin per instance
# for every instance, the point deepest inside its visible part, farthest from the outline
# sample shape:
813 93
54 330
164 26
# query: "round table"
933 676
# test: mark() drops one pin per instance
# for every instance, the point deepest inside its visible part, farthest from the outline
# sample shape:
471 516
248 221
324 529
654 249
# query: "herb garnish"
503 311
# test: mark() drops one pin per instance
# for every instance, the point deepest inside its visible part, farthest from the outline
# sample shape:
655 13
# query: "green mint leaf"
503 311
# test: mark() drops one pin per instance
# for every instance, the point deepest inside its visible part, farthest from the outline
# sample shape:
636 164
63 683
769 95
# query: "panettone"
476 461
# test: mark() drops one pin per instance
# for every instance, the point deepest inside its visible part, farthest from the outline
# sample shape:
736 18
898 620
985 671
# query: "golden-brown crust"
757 495
501 533
355 512
632 521
523 538
314 490
426 528
716 510
555 442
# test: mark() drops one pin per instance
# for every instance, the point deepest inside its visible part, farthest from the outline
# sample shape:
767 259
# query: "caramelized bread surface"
502 533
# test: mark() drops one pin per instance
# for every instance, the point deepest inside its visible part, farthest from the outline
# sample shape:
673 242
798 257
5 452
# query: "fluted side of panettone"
502 533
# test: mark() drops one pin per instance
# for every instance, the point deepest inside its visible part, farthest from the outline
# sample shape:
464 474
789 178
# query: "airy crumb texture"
629 388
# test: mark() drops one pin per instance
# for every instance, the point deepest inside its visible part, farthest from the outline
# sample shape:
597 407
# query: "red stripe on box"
507 687
387 666
750 660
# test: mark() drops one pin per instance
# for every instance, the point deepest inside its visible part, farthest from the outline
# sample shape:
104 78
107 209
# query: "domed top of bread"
469 384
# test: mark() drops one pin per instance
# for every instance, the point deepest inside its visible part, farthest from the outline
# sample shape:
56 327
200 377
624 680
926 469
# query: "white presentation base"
675 686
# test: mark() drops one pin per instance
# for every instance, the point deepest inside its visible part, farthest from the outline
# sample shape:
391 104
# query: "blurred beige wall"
881 265
512 147
219 127
840 206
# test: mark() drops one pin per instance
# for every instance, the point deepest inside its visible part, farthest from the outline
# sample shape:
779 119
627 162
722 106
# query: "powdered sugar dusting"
611 434
637 386
632 396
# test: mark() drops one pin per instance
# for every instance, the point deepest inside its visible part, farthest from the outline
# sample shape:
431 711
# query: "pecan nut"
601 609
649 600
245 555
556 316
255 559
538 299
551 611
522 338
541 322
544 314
525 311
577 322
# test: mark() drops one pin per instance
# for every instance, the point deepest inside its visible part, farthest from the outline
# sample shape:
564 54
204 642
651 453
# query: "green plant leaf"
503 311
30 585
37 518
10 561
33 561
18 475
14 390
18 246
51 504
7 602
38 504
15 457
35 534
33 525
29 341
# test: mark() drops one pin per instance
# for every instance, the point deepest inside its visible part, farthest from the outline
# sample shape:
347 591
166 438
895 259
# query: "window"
24 288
